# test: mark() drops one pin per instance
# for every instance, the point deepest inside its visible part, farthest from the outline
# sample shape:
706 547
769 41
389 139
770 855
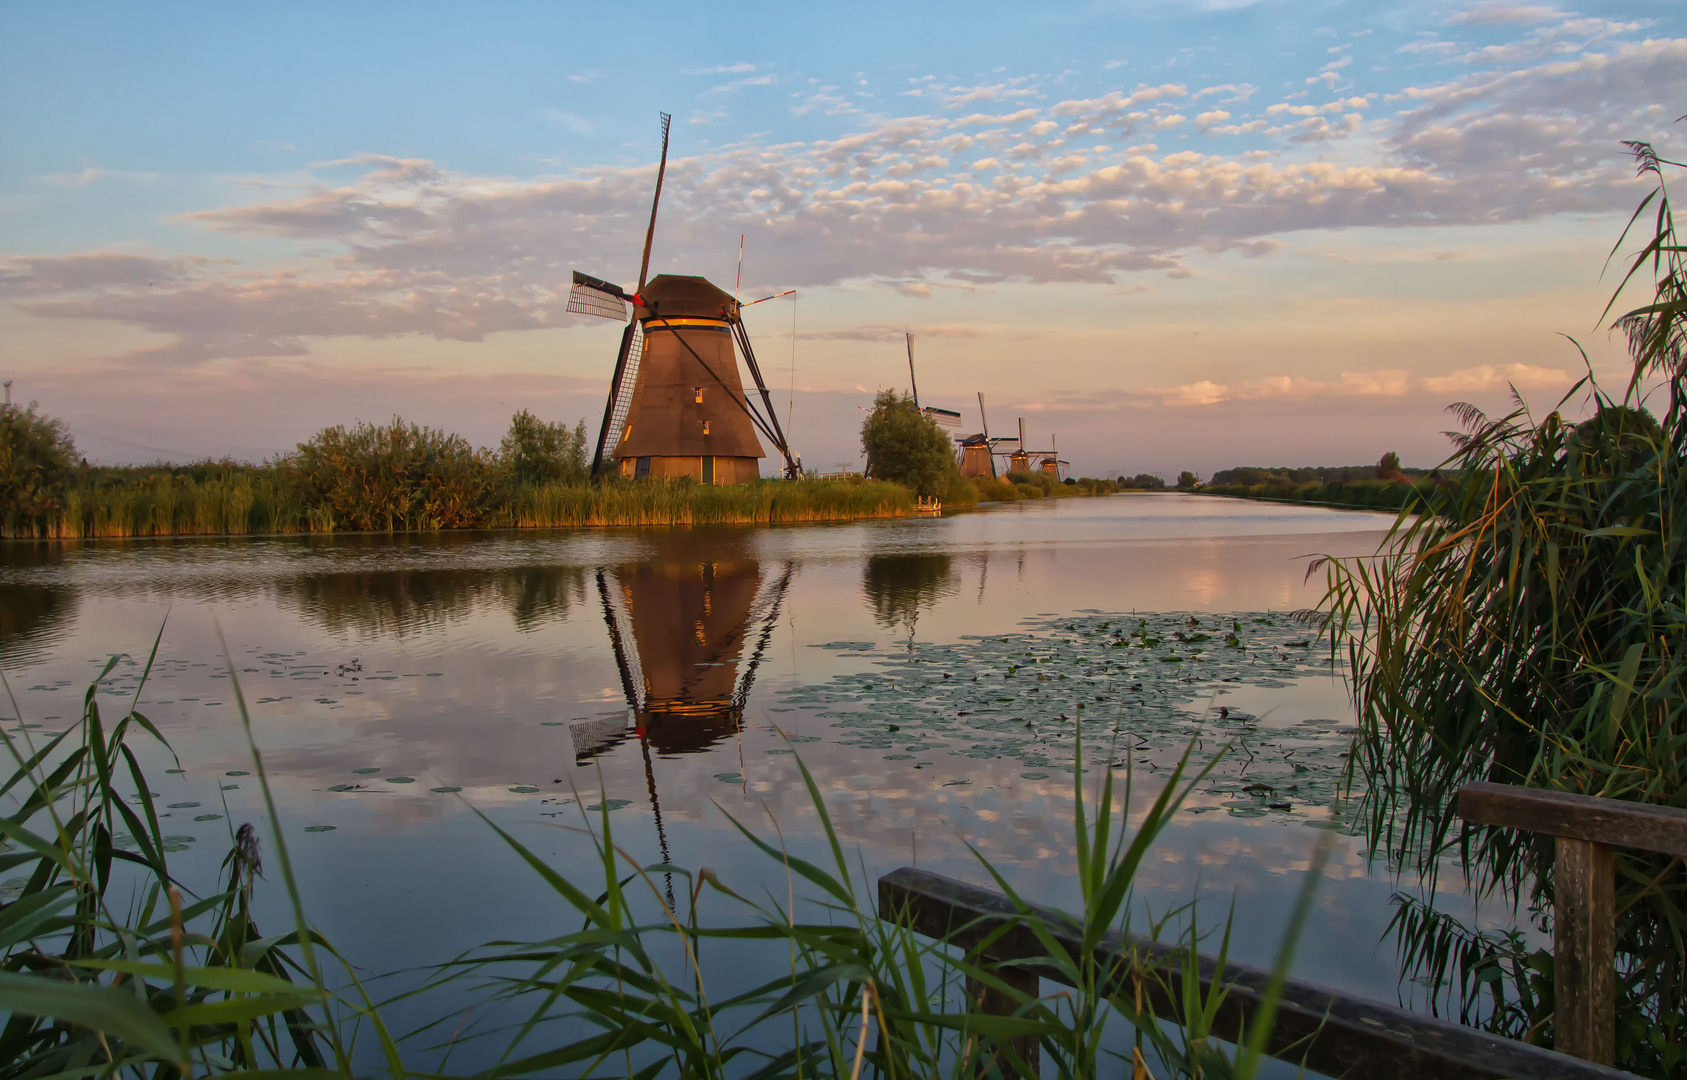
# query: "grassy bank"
114 964
1353 494
402 477
257 501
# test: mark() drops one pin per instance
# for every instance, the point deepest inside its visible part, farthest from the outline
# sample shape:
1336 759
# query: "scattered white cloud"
1490 377
739 68
1035 189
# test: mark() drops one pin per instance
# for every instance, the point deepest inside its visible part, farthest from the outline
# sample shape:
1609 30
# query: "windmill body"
977 458
687 415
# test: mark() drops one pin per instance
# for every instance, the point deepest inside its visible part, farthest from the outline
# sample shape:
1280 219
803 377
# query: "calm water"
518 666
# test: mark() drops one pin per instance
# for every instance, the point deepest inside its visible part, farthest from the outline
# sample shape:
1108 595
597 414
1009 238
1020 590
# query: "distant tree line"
1383 486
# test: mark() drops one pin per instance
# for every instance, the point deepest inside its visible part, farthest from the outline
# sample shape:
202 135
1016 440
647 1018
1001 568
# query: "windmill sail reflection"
688 628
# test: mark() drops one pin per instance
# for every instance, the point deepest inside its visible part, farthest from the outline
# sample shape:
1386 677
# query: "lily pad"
525 789
182 805
730 777
207 817
401 779
365 772
320 828
237 772
445 790
1034 776
610 804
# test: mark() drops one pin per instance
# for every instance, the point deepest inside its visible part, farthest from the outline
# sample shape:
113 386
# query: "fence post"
1584 922
993 1002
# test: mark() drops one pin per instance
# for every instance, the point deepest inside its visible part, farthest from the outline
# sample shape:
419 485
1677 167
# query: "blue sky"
1170 235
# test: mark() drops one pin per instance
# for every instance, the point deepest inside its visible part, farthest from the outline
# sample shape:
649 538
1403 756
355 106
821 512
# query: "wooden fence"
1334 1033
1587 831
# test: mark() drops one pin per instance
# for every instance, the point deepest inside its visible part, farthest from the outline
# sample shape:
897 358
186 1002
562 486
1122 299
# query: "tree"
36 458
1187 480
535 451
1389 467
905 446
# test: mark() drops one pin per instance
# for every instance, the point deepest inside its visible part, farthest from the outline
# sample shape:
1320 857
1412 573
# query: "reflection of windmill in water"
677 405
680 622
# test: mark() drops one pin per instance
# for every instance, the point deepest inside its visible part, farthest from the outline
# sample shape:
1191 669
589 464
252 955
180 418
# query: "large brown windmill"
677 405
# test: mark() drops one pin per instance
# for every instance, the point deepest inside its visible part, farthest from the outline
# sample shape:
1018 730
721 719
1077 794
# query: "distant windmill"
677 405
978 452
1048 461
944 418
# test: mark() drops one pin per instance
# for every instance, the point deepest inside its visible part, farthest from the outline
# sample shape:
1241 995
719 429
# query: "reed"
680 502
1530 629
97 983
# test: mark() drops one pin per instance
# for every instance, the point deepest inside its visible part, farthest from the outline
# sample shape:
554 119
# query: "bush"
994 489
36 456
398 476
535 451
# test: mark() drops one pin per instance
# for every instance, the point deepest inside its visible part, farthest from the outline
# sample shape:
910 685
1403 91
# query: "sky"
1168 234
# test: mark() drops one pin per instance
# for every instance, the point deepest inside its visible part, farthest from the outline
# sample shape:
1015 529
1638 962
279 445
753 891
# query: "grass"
113 966
1531 628
259 500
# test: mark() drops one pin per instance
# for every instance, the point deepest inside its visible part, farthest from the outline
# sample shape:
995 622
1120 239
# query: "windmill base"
704 470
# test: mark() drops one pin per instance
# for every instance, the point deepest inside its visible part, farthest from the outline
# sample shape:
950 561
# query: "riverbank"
1337 494
251 502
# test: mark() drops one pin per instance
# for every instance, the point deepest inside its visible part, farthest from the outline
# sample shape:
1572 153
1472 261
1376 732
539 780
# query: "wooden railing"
1586 831
1331 1033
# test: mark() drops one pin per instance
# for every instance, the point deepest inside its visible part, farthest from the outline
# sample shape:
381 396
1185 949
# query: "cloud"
1383 383
740 68
1493 12
913 202
108 271
1490 377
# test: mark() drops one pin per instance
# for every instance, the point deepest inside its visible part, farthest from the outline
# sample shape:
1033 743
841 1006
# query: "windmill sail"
594 296
621 393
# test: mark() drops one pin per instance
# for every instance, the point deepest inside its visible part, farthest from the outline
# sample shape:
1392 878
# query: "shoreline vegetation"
402 477
1530 628
1383 486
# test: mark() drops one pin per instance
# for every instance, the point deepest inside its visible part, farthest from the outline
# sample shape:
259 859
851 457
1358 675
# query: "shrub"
535 451
396 476
36 456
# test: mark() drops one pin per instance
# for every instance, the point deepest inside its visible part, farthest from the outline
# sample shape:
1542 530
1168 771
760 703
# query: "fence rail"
1332 1033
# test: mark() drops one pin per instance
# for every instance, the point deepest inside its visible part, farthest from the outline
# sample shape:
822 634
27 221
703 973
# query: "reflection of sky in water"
477 653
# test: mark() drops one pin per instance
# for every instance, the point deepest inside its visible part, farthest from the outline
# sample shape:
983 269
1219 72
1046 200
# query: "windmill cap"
676 296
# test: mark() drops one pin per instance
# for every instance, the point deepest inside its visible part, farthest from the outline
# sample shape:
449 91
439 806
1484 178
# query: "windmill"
978 452
677 405
1048 461
944 418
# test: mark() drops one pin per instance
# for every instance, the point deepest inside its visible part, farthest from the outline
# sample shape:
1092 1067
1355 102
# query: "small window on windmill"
705 427
697 394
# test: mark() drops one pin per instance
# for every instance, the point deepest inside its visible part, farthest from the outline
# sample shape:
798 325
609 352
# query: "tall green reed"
1531 628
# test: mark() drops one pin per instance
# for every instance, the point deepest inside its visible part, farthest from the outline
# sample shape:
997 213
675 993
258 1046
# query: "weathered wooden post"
1584 927
995 1003
1587 830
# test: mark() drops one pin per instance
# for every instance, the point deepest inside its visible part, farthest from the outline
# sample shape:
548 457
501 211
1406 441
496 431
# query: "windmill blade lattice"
623 401
587 297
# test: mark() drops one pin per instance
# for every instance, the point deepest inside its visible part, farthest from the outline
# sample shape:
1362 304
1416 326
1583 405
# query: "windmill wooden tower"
979 452
677 405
